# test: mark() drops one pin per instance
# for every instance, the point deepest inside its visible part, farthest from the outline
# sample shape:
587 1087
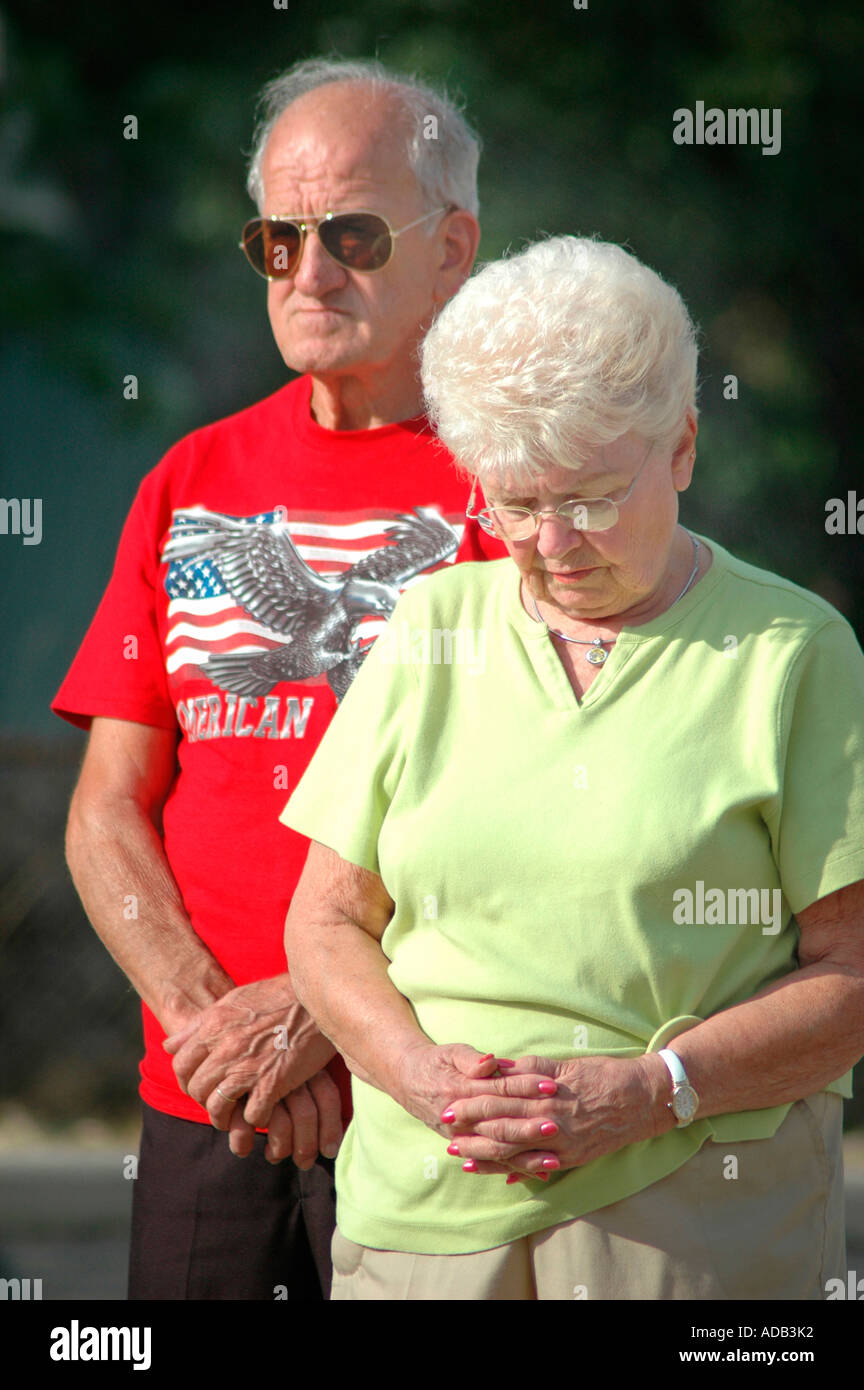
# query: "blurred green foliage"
119 256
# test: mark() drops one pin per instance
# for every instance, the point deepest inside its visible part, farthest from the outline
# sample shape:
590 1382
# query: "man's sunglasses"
356 240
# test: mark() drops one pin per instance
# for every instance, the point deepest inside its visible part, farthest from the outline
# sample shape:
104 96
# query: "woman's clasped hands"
531 1116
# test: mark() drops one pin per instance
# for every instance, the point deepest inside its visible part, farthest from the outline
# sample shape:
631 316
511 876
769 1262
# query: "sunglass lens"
360 241
272 248
280 248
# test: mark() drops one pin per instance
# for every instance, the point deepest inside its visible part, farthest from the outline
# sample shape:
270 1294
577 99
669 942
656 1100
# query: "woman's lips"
570 576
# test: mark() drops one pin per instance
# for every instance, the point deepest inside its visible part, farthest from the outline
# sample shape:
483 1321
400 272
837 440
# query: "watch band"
675 1065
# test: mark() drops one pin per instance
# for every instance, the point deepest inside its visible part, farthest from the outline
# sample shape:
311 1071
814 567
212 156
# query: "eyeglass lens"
518 523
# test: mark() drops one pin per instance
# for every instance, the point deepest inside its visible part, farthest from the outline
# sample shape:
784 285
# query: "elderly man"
258 562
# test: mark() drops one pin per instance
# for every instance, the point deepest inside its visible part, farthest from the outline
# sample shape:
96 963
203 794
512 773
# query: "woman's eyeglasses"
356 240
519 523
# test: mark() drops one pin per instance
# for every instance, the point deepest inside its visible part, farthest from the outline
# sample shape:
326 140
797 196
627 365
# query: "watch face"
684 1103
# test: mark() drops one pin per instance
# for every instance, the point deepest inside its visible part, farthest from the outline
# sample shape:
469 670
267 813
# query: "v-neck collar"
548 665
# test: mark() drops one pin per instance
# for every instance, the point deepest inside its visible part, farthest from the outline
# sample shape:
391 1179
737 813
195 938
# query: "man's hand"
256 1041
308 1121
600 1104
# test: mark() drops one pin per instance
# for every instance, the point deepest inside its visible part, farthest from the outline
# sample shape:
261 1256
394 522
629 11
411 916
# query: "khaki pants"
774 1231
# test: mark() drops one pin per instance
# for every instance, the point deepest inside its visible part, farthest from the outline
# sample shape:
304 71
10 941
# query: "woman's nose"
555 535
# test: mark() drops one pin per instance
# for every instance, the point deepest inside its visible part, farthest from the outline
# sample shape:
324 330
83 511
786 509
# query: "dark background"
119 256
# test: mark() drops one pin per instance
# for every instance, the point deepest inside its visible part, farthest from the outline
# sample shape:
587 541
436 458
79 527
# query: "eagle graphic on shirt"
250 578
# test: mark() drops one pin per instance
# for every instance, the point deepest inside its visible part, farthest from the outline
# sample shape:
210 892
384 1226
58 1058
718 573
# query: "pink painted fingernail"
488 1057
543 1177
447 1117
453 1149
547 1087
549 1127
514 1177
551 1163
469 1166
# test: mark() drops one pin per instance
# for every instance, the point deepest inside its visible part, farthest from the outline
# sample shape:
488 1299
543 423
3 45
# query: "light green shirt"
577 877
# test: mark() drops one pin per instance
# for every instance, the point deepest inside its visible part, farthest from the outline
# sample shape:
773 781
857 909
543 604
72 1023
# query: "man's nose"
317 272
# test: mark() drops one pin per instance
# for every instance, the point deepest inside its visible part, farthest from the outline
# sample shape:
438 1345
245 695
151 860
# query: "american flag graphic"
203 617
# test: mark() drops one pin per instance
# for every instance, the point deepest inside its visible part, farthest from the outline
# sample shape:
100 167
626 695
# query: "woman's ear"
684 453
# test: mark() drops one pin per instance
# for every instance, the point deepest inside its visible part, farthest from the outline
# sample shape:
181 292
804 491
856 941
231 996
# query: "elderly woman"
561 824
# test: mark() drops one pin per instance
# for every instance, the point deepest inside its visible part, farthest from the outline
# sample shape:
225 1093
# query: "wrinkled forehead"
551 482
337 146
596 471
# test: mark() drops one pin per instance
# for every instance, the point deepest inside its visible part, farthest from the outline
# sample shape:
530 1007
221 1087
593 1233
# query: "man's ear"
459 238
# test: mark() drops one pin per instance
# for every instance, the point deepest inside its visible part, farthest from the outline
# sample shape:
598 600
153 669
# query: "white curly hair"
554 351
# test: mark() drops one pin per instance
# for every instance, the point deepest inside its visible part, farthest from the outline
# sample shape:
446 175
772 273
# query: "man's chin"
323 353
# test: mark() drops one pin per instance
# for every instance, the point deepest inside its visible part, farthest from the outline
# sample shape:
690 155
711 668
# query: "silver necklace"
598 654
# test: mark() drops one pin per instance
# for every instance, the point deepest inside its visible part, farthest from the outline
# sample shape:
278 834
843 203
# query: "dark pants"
207 1225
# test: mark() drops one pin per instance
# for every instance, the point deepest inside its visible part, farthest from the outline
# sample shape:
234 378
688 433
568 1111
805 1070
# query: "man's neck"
351 403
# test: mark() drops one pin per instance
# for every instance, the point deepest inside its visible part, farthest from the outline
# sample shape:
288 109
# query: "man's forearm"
789 1041
119 868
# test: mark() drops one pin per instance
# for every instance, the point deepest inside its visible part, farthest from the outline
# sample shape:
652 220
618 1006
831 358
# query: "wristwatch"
684 1102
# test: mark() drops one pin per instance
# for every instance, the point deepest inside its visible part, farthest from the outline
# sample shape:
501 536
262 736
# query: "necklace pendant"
596 656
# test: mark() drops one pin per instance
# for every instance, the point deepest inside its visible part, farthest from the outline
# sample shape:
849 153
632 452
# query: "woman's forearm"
339 972
788 1041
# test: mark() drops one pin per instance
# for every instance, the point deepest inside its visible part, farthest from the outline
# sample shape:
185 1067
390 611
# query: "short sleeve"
119 670
345 793
819 843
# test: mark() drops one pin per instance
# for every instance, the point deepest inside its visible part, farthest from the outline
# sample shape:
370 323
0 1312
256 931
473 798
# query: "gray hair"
562 348
443 150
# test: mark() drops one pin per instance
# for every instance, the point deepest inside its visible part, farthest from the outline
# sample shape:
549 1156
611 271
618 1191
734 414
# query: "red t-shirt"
259 560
